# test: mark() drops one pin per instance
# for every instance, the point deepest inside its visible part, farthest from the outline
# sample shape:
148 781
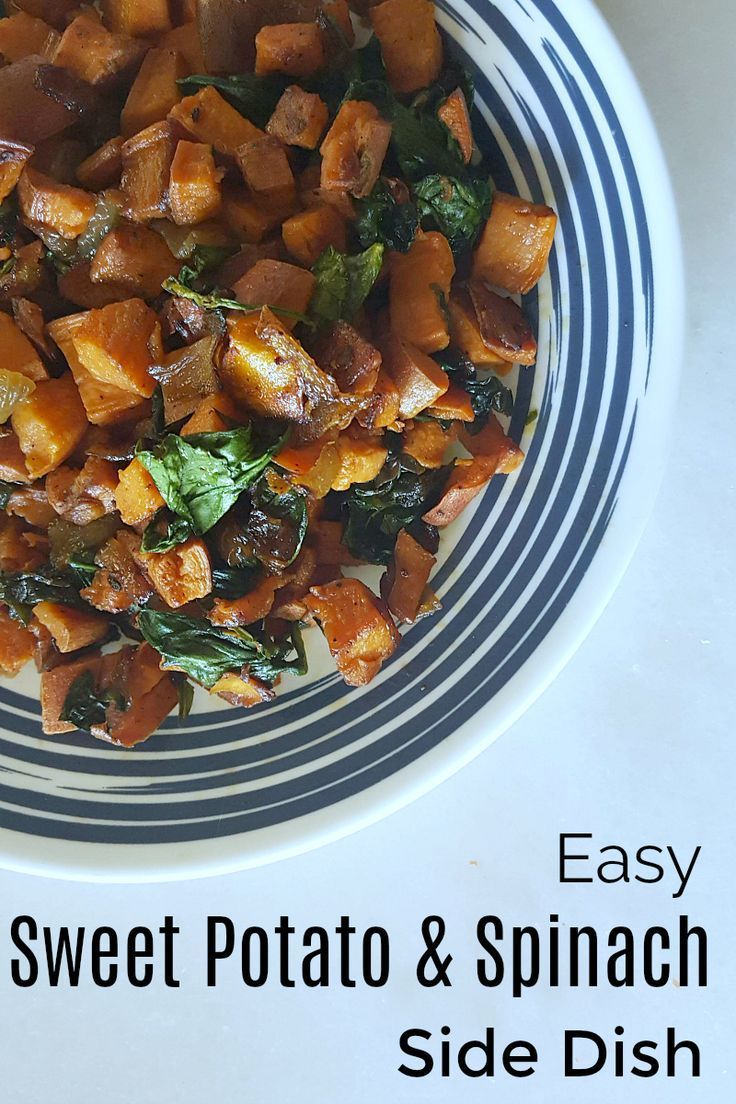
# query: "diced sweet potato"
187 42
194 184
267 370
419 379
181 575
354 149
50 424
29 319
299 118
19 355
383 408
57 207
147 158
83 496
13 158
248 220
32 505
252 607
499 455
93 53
456 117
71 628
503 327
242 690
465 332
16 645
131 17
276 284
352 361
55 685
76 285
515 245
410 42
297 49
229 28
209 118
153 92
186 376
27 114
404 584
307 234
21 35
102 168
427 442
454 406
12 461
54 12
121 582
134 260
338 15
114 344
266 171
137 496
360 462
492 443
359 631
420 288
212 414
144 715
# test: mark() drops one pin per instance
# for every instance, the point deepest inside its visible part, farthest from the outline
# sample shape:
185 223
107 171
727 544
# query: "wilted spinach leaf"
165 532
423 144
21 590
203 259
206 653
277 523
215 300
85 706
234 582
343 282
185 694
457 208
6 490
487 393
382 219
255 97
82 570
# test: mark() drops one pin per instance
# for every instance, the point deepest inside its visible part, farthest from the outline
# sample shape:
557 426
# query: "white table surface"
633 742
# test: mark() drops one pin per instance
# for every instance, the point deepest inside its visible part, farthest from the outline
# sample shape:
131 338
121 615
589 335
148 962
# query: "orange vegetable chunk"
136 496
514 247
359 631
21 35
266 170
419 291
153 92
419 380
13 158
208 117
132 17
93 53
360 461
187 42
276 284
299 119
50 424
307 234
57 207
16 645
456 117
194 184
114 344
405 581
465 333
147 158
71 628
354 148
502 324
19 355
410 42
297 49
182 574
134 259
55 685
103 167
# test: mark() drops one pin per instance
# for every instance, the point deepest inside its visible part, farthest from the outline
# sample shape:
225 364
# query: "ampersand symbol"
430 956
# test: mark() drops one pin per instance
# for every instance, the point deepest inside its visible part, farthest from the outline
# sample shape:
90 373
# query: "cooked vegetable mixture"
255 315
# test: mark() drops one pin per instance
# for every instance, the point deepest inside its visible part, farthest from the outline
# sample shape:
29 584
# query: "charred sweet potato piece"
136 496
29 319
49 424
121 582
134 260
360 461
299 118
32 505
71 628
57 207
503 327
13 158
267 369
492 443
247 219
17 645
153 92
229 28
55 685
21 35
208 117
494 453
420 288
12 461
187 42
27 114
359 631
102 168
514 247
383 406
307 234
187 376
465 332
83 496
114 344
94 53
19 355
456 117
181 575
297 49
351 360
147 158
276 284
419 379
76 285
427 442
454 406
149 694
404 584
267 172
410 42
354 149
131 17
211 415
194 184
242 690
252 607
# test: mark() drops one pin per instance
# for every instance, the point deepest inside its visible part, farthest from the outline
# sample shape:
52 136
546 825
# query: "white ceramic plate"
523 577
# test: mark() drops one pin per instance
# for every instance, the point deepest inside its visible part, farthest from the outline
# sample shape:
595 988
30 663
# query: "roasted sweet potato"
352 361
212 414
131 17
187 42
27 114
12 461
145 714
383 406
76 285
94 53
52 206
503 327
493 444
19 355
419 379
276 284
181 575
71 628
248 220
252 607
514 247
83 496
194 184
136 496
16 645
360 461
266 171
242 690
404 584
147 158
297 49
208 117
229 27
102 168
299 119
465 332
354 149
454 406
13 159
114 344
22 35
427 442
55 685
153 92
121 582
496 453
456 117
359 631
49 424
32 505
134 260
186 377
420 288
307 234
410 42
54 12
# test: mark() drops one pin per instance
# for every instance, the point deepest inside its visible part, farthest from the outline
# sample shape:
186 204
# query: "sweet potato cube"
21 35
153 92
102 168
360 462
19 355
515 245
351 360
182 574
242 691
27 114
50 423
465 332
13 158
144 715
76 285
12 461
266 170
359 631
384 403
410 43
276 284
249 220
299 118
16 645
186 41
194 184
405 581
420 288
147 158
135 260
208 117
57 207
212 414
54 12
137 497
456 117
502 324
492 443
494 453
297 49
131 17
55 685
114 344
454 406
93 53
419 380
307 234
354 149
427 442
71 628
252 607
338 12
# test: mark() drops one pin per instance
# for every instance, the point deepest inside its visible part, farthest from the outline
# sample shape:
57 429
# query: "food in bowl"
256 328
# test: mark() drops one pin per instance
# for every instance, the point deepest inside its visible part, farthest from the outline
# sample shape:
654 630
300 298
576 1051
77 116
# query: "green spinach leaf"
235 582
457 208
85 706
377 512
22 590
487 393
343 282
277 523
381 218
185 694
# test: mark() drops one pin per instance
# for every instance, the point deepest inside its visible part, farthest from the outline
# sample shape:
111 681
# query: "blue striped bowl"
523 577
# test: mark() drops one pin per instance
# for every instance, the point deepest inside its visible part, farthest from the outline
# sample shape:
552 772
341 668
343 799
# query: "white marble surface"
634 742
